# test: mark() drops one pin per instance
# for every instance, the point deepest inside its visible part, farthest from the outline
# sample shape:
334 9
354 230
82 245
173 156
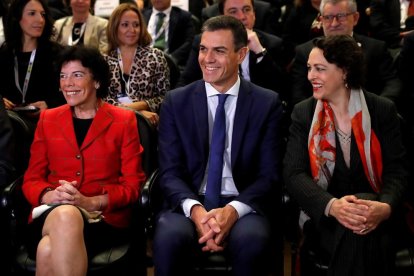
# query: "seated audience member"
344 163
302 23
139 73
82 28
218 180
171 28
339 17
86 166
27 58
391 20
264 60
265 19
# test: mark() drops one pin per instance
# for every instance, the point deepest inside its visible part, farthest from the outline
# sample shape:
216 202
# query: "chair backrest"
23 135
175 71
149 138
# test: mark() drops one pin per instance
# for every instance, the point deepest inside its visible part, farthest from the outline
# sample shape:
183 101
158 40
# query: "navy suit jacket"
184 144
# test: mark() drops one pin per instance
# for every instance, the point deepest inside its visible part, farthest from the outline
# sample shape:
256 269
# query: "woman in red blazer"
86 163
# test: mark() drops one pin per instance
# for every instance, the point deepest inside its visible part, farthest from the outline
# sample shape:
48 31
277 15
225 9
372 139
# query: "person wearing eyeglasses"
339 17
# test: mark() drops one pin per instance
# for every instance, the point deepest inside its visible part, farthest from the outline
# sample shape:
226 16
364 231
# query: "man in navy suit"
250 171
178 27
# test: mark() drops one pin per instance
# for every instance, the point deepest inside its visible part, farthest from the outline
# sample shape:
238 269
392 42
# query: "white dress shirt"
228 188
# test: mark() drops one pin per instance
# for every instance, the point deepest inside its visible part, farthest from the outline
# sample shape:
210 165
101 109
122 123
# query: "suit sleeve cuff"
328 206
187 204
241 208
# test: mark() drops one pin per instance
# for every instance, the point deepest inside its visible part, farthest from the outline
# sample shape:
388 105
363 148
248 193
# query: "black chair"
23 138
175 71
124 259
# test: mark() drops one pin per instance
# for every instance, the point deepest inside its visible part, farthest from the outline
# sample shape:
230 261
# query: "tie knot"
222 98
161 15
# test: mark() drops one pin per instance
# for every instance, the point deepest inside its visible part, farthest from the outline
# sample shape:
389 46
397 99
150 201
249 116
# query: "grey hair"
352 5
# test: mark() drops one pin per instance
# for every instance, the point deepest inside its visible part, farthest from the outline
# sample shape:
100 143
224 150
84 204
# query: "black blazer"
181 33
263 11
267 73
385 20
380 72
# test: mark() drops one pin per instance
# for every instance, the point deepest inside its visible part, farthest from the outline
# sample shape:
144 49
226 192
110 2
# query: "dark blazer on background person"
255 149
181 31
385 21
195 7
44 79
268 73
381 76
312 199
263 11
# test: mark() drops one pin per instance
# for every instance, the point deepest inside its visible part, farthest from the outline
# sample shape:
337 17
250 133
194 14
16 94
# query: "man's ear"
242 53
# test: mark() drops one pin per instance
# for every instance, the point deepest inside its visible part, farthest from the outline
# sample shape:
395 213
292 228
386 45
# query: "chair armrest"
147 202
8 197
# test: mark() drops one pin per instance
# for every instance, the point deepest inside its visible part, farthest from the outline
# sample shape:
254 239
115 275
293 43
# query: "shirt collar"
234 90
166 11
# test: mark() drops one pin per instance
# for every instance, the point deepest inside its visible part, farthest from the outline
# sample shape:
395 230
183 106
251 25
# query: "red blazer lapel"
100 123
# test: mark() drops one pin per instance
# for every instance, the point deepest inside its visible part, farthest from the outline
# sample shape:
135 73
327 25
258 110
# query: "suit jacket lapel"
65 121
171 26
244 103
99 124
200 111
88 30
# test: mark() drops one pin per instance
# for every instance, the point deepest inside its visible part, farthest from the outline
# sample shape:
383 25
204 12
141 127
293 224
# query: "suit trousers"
176 249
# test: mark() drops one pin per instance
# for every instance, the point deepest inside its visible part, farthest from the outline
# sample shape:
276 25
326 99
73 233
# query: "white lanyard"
28 73
121 65
70 42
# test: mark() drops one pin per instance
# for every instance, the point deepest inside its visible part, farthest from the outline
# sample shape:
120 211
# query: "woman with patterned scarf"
344 164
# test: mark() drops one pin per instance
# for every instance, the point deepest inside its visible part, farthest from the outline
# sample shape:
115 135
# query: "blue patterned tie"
215 165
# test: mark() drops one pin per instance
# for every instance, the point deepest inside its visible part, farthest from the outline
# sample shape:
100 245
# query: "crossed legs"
62 251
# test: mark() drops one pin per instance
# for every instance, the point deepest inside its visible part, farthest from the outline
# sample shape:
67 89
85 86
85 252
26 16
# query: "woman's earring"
96 85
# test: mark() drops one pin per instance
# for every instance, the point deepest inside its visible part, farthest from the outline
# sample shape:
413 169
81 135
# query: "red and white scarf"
322 146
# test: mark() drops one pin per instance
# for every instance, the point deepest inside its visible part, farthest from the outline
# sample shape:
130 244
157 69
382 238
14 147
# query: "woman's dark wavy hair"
90 58
13 32
344 52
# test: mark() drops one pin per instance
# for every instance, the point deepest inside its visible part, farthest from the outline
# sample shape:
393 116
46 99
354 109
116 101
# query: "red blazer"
108 162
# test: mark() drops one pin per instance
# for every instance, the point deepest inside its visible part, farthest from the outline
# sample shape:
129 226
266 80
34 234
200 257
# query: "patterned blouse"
149 78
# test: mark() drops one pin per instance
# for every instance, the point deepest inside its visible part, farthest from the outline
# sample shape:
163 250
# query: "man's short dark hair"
222 2
224 22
